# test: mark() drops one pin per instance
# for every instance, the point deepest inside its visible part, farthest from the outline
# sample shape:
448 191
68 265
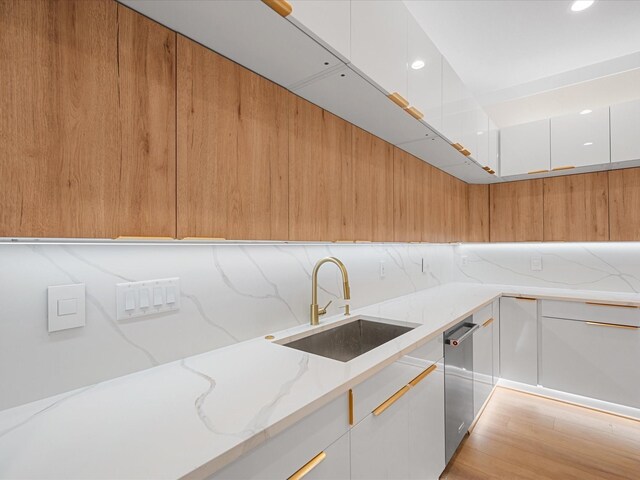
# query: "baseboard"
593 404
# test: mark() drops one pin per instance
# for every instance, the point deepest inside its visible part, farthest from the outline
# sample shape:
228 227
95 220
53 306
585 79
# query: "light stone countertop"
191 417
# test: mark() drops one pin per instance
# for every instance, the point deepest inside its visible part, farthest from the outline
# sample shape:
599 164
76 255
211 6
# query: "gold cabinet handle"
613 325
414 112
423 375
533 172
391 400
526 298
611 305
281 7
465 152
350 407
399 100
457 146
488 322
565 167
307 467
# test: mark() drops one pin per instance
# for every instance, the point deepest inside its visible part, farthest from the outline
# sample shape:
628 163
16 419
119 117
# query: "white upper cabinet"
481 133
525 149
455 102
424 82
494 147
580 139
625 130
379 42
328 21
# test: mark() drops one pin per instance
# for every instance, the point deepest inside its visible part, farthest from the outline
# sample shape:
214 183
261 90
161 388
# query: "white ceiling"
509 49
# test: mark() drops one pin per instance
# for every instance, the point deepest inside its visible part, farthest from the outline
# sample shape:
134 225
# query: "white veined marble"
230 293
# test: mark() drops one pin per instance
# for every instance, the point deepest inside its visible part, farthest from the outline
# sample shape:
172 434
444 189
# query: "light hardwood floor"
524 436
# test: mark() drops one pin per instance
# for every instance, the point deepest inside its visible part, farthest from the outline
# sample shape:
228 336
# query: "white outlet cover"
536 263
464 260
66 307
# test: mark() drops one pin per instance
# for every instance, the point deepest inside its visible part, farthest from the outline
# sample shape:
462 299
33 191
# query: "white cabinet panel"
595 312
591 360
494 147
456 104
482 365
328 21
285 453
481 132
424 84
625 131
336 464
379 42
496 341
525 148
519 340
578 140
426 427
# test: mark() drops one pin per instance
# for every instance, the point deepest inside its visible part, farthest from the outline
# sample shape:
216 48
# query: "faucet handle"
323 310
347 309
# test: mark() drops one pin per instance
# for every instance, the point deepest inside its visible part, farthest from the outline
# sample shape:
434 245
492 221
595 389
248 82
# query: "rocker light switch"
66 307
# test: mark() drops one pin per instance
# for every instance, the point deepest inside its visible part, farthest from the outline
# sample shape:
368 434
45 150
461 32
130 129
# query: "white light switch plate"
536 263
66 307
149 297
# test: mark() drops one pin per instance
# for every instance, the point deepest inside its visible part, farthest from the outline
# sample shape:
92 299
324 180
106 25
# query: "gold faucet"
315 310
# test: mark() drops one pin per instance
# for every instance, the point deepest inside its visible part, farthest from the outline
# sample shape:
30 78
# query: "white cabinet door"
625 130
379 42
525 148
590 359
496 341
426 427
380 444
481 132
424 83
285 453
579 140
328 21
494 147
482 365
336 462
456 104
519 340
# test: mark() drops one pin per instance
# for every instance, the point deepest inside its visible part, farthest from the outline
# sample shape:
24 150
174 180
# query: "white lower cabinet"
592 359
482 363
334 462
405 440
496 341
519 339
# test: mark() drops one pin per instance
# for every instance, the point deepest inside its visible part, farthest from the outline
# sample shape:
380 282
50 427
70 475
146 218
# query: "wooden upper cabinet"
321 201
445 207
87 116
576 208
232 149
147 76
409 177
478 213
624 204
59 132
516 211
373 199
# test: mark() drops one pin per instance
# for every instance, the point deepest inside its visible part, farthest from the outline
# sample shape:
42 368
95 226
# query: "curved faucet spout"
316 311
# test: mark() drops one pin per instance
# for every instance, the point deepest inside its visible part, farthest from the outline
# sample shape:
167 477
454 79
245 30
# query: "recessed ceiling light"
585 112
580 5
587 144
417 64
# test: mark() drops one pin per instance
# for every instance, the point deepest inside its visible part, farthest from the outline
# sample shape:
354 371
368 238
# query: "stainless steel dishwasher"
458 383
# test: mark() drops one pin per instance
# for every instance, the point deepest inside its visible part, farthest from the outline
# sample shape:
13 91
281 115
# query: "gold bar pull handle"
465 152
487 323
457 146
399 100
533 172
307 467
612 325
351 407
565 167
414 112
281 7
391 400
526 298
599 304
423 375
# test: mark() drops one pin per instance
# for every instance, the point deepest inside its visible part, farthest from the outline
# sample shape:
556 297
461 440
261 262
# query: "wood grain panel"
147 101
576 208
373 207
445 207
408 193
321 171
624 204
459 197
59 132
516 211
232 149
478 213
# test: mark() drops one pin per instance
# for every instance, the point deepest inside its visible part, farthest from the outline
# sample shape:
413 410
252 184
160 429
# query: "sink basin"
349 340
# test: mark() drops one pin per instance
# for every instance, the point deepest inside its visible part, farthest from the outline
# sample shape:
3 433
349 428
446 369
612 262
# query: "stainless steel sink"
349 340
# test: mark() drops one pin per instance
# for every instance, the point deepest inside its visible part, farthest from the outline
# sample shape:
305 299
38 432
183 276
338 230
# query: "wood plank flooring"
522 436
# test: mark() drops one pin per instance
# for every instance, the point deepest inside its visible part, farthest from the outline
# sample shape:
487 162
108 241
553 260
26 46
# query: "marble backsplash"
229 293
584 266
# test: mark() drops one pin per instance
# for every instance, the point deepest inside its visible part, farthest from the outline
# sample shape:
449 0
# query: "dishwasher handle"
455 341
